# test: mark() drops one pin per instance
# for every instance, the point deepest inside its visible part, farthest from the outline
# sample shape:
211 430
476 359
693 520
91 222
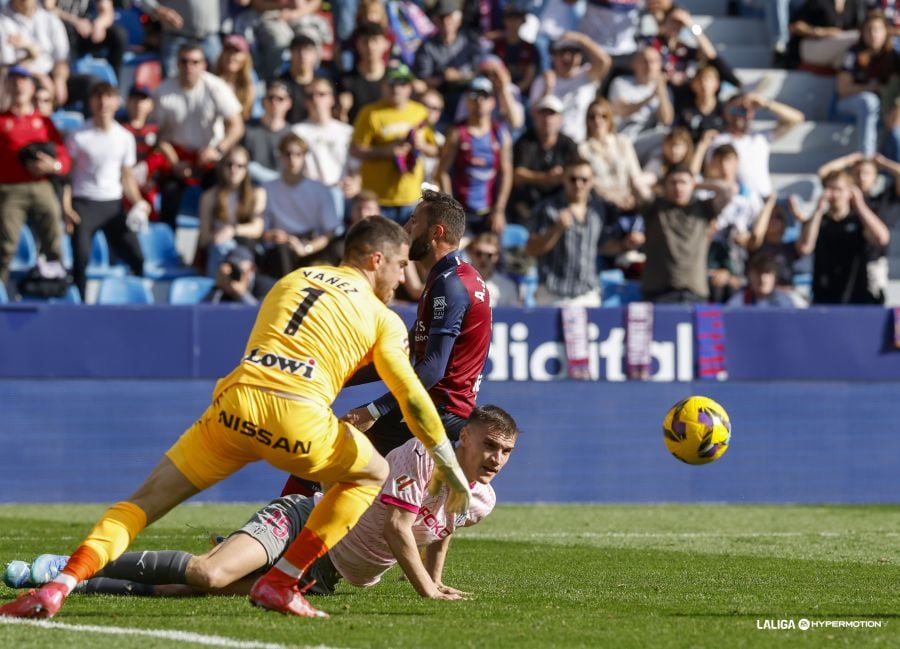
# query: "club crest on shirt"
438 306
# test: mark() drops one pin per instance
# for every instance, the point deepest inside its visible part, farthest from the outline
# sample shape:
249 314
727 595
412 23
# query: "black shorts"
275 527
390 431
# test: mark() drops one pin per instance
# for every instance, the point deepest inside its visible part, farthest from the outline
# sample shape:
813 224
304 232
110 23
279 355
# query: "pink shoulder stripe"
396 502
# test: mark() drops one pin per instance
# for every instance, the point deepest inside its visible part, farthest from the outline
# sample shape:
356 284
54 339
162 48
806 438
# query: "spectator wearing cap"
476 162
103 155
300 220
389 136
235 67
194 22
27 26
446 60
753 145
762 286
31 152
571 79
508 108
237 280
305 59
278 23
538 159
262 135
641 101
154 158
328 157
362 84
522 58
199 115
90 25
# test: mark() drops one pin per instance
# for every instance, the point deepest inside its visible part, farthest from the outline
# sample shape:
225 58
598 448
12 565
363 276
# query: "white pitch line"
529 536
177 636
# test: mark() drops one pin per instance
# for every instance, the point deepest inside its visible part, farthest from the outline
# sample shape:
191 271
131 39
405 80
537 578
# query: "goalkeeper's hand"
447 470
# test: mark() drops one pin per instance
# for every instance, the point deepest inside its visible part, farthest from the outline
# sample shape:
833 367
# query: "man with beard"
449 340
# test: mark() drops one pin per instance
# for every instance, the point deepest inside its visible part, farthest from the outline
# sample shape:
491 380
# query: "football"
697 430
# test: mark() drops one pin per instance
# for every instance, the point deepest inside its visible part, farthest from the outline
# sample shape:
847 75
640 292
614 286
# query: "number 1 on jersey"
312 294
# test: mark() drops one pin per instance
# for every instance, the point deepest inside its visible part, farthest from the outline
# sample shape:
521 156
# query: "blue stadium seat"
190 201
72 296
98 265
4 298
161 258
514 236
99 68
26 254
124 290
130 20
190 290
67 121
187 222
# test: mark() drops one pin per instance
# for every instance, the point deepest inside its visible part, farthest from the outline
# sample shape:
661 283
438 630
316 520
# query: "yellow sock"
330 521
113 534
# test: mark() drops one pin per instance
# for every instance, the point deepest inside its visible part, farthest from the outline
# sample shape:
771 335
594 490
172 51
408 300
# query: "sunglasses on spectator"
476 95
738 111
484 253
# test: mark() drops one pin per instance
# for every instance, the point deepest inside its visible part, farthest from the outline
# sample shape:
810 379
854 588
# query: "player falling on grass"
404 518
451 336
315 328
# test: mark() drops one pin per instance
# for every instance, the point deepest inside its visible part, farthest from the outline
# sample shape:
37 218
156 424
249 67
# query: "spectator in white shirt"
103 153
641 101
328 159
753 146
573 80
200 116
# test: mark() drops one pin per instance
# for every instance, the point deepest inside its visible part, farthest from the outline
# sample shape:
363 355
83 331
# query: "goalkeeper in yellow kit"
315 328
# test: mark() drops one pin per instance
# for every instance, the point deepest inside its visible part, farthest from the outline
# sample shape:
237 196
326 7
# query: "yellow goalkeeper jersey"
315 328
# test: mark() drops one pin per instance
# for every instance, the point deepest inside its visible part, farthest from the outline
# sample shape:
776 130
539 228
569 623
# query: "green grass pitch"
542 576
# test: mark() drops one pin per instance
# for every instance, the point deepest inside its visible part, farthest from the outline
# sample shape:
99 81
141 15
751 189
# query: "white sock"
66 580
288 568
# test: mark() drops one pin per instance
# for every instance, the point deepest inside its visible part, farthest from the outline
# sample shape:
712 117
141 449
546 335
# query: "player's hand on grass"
447 470
450 590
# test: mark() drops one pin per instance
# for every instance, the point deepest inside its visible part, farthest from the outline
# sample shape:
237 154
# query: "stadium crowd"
590 141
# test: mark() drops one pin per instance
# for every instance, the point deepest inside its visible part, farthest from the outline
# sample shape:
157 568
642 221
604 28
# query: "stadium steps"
733 30
744 56
810 145
813 94
718 8
805 186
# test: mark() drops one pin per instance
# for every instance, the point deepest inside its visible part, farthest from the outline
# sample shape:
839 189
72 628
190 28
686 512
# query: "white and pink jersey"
364 555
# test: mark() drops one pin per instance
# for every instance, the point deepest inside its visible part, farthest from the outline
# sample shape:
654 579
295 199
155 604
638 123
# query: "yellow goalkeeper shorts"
245 424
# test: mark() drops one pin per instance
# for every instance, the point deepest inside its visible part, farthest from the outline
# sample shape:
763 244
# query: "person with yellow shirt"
389 136
315 328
